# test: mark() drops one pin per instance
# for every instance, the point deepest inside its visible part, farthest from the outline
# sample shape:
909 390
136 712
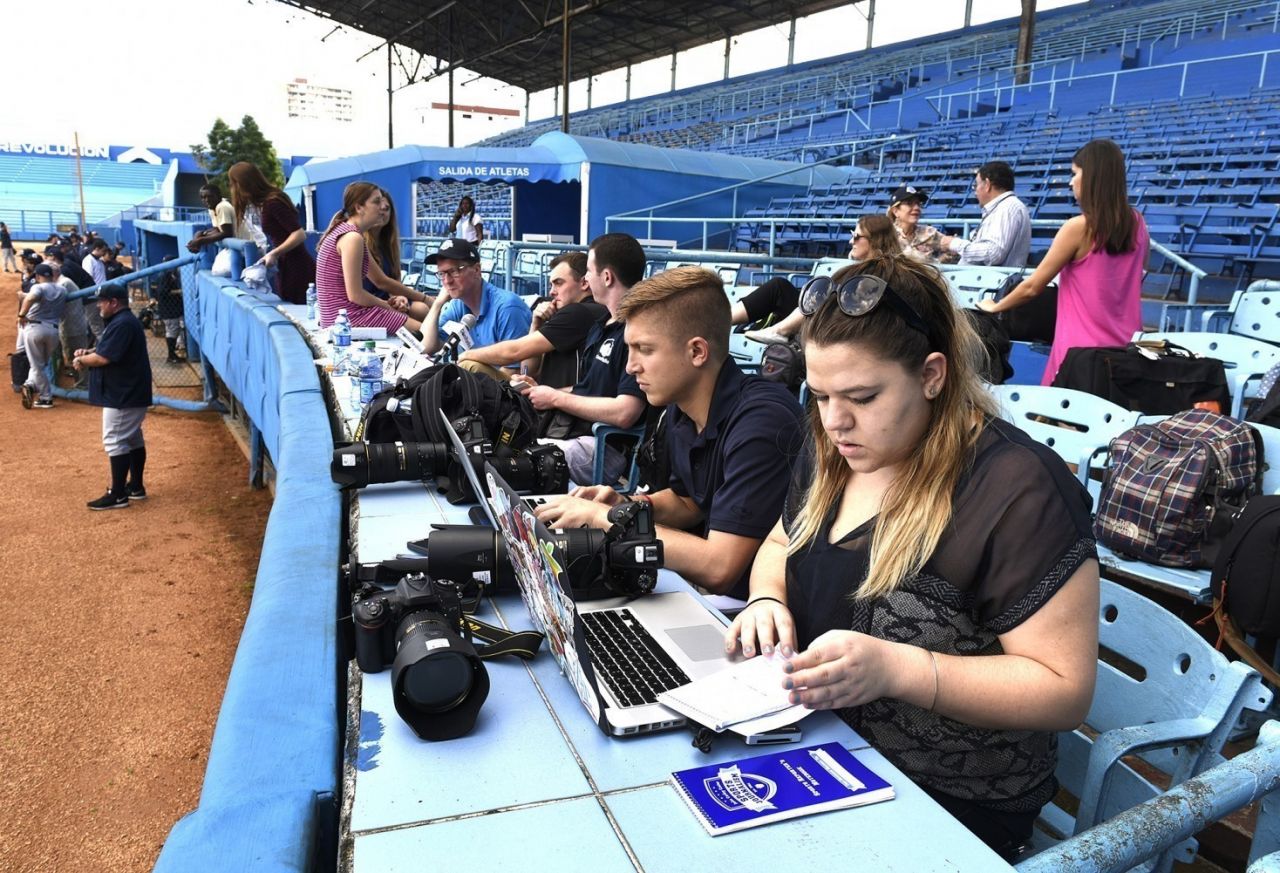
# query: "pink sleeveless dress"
1099 300
331 290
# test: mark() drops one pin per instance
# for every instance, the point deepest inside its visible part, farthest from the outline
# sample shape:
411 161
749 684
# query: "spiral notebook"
786 784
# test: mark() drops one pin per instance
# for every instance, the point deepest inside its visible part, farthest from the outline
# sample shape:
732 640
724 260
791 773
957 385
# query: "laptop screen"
539 569
468 469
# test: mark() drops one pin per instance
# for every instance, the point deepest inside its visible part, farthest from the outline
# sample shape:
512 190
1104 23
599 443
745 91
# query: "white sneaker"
767 337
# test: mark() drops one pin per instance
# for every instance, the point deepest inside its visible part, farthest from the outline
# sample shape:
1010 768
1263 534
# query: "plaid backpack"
1172 488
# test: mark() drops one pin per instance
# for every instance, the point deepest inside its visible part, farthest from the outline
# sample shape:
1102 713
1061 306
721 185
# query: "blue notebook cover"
780 785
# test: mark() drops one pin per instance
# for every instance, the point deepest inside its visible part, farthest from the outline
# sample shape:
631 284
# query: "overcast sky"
157 72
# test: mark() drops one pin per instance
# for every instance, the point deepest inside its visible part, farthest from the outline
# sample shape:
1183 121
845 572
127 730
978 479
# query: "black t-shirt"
76 273
604 374
738 468
1020 528
125 382
567 329
6 241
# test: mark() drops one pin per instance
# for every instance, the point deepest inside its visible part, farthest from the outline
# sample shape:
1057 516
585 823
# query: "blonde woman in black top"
933 578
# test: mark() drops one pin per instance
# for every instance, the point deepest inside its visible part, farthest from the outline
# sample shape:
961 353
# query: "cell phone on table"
786 734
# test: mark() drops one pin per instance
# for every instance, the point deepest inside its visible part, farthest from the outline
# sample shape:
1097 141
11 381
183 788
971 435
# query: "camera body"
377 616
438 682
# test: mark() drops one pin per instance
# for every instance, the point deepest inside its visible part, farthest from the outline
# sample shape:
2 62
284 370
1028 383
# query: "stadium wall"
268 802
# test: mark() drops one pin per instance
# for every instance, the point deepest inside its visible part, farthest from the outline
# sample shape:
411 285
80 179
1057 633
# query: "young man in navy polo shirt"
605 392
500 315
732 439
119 382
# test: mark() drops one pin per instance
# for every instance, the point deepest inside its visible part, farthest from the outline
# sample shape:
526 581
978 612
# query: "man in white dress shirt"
1003 238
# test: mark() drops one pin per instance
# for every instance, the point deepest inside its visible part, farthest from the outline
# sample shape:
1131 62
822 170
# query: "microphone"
461 336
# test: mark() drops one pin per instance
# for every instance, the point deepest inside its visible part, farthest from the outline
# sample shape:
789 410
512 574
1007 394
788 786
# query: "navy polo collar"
724 400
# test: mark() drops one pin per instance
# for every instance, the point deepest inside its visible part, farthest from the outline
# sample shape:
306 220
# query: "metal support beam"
391 134
791 43
871 20
673 71
564 70
968 13
590 83
451 107
1026 42
728 42
628 97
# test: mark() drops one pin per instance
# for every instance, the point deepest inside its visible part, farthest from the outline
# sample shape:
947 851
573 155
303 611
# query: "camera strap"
519 644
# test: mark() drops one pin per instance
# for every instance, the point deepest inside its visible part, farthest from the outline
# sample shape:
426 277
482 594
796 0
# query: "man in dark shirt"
550 352
71 268
119 382
605 392
732 439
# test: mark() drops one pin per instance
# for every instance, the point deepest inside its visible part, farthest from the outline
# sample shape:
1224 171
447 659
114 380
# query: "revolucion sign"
60 149
483 172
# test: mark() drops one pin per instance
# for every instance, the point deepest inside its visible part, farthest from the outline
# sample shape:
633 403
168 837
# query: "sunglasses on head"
859 295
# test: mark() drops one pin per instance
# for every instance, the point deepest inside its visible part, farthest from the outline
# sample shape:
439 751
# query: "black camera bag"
1246 574
995 342
1034 321
507 417
1154 379
19 368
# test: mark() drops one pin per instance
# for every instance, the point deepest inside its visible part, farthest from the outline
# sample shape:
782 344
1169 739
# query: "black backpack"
784 363
1246 574
1266 409
995 342
506 417
1036 320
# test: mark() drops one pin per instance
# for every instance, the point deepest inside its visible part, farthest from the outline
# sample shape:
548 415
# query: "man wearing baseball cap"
499 314
119 382
39 312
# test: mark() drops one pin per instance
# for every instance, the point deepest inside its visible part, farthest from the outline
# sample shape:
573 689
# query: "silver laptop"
618 654
460 452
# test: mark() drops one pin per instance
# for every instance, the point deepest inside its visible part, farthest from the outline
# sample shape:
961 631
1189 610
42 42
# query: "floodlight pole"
564 70
391 132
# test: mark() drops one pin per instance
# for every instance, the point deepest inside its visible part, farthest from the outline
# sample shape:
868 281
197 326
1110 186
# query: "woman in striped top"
342 262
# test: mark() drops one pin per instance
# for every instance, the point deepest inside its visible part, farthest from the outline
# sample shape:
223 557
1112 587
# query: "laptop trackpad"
699 642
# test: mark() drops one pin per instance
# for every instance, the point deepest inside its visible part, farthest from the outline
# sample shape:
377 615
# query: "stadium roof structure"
520 42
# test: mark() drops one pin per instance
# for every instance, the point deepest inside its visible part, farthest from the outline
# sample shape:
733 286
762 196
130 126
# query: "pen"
840 774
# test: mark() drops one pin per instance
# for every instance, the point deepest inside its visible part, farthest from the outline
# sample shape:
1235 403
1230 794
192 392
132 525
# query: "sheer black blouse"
1020 528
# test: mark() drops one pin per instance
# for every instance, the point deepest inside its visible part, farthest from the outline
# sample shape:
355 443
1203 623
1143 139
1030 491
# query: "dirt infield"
121 628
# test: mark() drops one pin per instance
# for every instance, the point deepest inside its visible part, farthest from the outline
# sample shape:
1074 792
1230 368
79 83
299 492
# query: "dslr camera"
438 682
623 560
536 469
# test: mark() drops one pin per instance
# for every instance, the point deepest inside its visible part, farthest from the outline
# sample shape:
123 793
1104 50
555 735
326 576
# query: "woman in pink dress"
342 263
1099 257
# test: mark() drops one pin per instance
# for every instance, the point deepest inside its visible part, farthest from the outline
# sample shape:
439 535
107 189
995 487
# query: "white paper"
746 690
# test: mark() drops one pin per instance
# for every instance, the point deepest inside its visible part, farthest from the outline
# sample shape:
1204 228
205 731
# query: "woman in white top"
466 224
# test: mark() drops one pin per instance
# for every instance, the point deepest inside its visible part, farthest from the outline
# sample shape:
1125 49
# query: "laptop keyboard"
627 658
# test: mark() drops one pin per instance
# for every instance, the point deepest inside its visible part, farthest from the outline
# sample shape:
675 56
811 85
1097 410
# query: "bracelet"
933 659
758 599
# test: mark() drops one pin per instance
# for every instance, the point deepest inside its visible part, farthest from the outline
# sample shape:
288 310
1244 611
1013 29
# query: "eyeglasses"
859 295
856 236
455 273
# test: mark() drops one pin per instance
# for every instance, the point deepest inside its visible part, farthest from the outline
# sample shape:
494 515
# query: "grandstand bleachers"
35 187
1191 93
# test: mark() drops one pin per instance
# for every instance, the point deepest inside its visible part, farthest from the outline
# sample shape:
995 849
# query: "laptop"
618 654
480 513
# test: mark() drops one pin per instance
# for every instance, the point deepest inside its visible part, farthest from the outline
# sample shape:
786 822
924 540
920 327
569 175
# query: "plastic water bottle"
311 302
340 334
370 376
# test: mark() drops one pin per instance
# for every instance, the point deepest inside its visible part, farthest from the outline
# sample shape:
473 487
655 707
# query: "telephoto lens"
360 464
438 683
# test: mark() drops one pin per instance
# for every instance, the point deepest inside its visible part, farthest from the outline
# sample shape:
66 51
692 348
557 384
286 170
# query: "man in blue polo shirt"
731 438
119 382
499 314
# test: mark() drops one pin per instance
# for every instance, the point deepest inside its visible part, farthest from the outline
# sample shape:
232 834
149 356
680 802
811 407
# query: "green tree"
227 145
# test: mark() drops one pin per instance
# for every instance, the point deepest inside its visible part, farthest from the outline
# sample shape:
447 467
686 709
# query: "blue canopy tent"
564 184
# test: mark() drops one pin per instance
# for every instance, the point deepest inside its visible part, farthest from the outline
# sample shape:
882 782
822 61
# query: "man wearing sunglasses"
500 315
